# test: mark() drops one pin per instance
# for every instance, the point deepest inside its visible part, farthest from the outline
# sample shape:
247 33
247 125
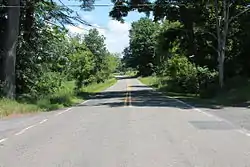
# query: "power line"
94 5
70 5
82 28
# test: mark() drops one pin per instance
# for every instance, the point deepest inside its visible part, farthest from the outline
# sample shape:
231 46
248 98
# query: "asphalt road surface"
128 125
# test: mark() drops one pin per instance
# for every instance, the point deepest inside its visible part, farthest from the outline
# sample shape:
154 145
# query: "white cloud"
116 34
88 17
80 29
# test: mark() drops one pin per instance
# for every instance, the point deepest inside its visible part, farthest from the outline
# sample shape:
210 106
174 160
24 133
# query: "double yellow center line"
128 99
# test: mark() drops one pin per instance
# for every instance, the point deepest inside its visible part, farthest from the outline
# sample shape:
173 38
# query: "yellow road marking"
128 99
129 95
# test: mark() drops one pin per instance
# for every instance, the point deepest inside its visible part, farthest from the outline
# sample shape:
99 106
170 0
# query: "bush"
45 104
208 82
48 83
236 82
183 76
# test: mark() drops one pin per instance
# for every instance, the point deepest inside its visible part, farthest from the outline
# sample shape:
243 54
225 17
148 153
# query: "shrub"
48 83
183 76
208 82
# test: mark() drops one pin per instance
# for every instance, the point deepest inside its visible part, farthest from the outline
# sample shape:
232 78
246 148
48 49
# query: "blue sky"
115 32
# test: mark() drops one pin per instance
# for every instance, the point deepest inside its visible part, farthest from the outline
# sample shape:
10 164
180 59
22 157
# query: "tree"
81 62
168 41
223 19
32 18
225 13
142 46
95 42
9 48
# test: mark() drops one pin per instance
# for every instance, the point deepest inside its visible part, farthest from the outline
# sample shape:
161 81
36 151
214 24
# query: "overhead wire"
82 6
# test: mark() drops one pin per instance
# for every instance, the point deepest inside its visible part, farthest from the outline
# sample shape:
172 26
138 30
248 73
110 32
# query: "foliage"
48 83
48 57
152 81
140 54
182 75
168 41
212 34
96 45
63 97
81 62
208 82
8 107
97 87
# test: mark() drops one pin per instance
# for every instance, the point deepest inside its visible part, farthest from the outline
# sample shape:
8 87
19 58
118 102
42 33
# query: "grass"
64 97
150 81
8 107
98 87
233 95
130 73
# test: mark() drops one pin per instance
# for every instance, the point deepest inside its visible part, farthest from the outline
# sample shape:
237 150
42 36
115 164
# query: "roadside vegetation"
232 96
65 97
49 68
198 49
181 54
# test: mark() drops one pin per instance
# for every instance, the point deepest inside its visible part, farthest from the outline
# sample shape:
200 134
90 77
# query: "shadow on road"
145 97
125 77
139 86
139 98
149 98
209 103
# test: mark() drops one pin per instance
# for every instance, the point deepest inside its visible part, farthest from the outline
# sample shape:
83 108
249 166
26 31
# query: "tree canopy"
212 35
208 31
40 55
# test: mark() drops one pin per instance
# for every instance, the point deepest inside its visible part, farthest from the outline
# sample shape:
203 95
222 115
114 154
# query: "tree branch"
242 12
212 46
210 33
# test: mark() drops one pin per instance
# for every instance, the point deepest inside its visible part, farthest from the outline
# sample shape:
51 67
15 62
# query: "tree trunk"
223 41
221 58
222 30
9 50
1 58
2 37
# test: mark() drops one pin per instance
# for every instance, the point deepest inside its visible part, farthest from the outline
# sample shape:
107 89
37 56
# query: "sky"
116 33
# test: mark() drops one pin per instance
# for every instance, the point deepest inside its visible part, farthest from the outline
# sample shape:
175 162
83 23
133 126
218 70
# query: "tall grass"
150 81
63 97
8 107
236 92
97 87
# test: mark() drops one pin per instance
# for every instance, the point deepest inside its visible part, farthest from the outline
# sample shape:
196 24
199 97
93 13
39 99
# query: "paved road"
128 125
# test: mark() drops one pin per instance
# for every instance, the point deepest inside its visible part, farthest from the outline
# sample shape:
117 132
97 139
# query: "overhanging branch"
242 12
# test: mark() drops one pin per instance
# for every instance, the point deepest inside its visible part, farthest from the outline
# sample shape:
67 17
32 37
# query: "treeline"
194 47
44 55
